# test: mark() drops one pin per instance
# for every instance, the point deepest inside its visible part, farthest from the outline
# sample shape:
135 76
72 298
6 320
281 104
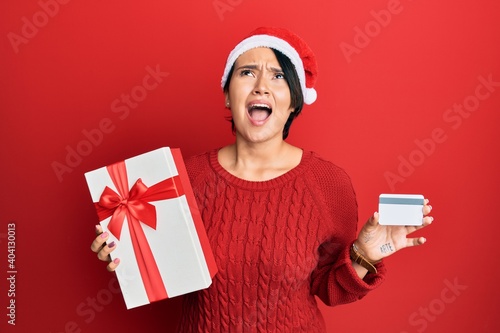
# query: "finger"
103 254
98 242
427 208
415 241
98 229
427 220
373 220
113 264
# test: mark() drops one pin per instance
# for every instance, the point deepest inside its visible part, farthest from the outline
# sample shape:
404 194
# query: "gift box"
147 206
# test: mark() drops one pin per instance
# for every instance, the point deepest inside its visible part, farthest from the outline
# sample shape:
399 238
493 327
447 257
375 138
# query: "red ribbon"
134 204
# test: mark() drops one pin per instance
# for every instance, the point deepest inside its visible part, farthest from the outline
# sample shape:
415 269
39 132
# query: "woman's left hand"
376 241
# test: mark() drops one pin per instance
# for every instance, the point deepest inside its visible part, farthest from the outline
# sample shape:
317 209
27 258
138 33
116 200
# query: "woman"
281 220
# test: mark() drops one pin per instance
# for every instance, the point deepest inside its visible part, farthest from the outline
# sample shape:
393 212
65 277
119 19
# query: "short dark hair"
292 79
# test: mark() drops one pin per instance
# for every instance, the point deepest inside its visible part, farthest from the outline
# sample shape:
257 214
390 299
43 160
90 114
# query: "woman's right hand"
102 249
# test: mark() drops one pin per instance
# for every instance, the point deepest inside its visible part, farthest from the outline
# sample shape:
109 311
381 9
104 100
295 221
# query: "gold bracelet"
361 260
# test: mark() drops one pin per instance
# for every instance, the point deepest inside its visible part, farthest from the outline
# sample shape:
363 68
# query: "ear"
226 98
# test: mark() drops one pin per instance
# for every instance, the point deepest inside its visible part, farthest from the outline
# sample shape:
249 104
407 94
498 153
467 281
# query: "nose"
261 86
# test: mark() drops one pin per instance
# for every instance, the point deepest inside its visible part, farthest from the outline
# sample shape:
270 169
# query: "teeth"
260 106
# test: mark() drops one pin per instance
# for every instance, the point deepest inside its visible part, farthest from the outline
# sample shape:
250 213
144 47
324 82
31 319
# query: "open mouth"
259 112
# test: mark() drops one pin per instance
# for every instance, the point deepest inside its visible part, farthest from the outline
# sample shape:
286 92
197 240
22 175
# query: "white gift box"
160 238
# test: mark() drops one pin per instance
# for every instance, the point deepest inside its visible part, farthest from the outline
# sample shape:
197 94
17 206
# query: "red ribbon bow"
134 204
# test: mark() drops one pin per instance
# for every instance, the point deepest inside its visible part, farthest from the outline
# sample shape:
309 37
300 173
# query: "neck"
259 161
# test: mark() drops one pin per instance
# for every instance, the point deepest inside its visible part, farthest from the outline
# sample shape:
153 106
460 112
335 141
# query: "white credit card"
401 209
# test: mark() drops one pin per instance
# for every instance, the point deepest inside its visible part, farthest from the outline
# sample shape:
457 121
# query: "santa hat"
290 45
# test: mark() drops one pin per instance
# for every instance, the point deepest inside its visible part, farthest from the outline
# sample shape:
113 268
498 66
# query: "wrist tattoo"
367 237
386 248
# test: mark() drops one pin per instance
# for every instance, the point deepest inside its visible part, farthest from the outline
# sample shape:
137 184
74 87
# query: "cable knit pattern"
278 244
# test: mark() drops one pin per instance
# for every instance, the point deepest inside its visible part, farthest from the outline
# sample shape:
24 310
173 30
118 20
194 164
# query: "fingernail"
112 244
104 235
430 207
116 260
96 228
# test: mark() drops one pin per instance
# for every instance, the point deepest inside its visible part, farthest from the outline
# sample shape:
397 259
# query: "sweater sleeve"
334 280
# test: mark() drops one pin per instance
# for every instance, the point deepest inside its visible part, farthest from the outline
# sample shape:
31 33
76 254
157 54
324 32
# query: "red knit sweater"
277 244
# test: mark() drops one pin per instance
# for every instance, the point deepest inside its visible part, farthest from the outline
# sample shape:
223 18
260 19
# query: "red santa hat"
290 45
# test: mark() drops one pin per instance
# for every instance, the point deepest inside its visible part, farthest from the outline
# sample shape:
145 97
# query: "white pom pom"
311 96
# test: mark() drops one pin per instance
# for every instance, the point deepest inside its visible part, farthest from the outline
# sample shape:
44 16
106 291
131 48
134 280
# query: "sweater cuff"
351 281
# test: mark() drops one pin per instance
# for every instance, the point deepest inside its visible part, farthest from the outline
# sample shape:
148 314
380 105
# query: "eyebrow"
253 66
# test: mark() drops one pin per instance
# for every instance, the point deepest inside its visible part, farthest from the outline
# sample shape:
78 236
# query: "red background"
376 111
